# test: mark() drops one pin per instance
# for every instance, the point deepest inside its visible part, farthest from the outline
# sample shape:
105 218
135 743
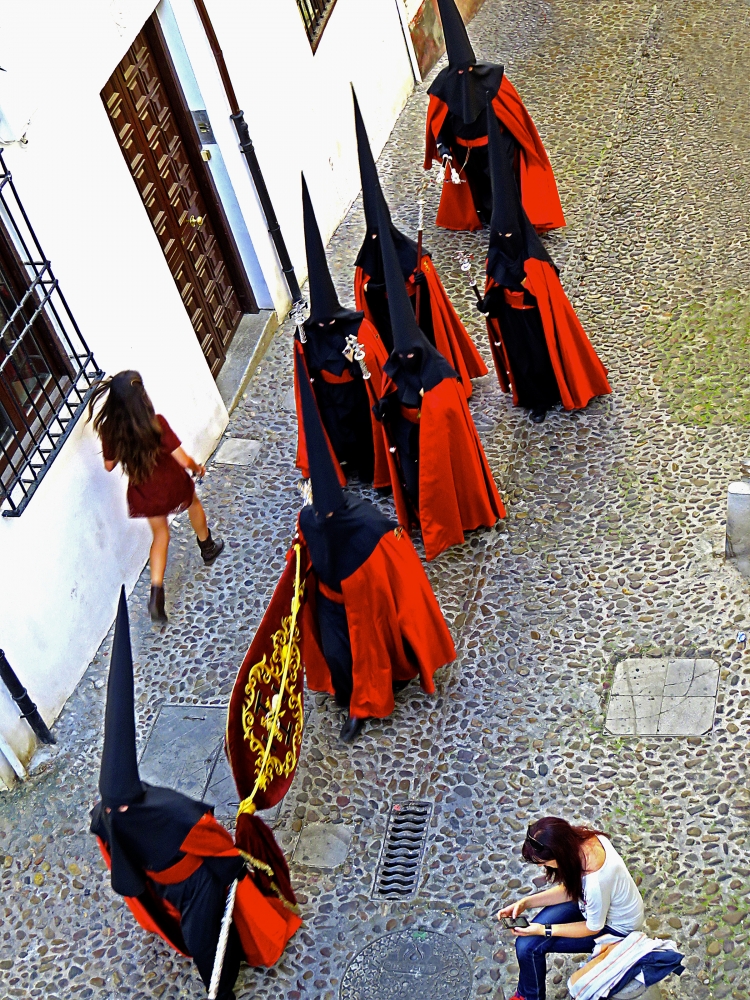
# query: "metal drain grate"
397 875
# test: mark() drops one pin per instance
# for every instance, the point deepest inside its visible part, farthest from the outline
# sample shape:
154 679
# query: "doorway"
158 139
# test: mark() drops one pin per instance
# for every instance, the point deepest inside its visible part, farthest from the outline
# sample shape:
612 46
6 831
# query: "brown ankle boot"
156 605
210 549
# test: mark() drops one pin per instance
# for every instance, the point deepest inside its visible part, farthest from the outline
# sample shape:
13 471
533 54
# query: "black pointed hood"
340 544
427 367
406 333
324 302
457 44
372 193
326 490
464 82
512 237
369 258
147 835
329 323
340 530
119 781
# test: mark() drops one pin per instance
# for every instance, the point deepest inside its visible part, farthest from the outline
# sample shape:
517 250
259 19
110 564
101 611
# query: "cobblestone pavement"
613 547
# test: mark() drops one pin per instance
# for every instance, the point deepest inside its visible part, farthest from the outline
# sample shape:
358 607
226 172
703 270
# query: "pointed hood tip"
406 333
326 489
513 239
119 780
506 202
372 192
457 44
324 300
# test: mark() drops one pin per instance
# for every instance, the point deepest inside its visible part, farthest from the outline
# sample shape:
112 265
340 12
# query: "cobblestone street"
613 548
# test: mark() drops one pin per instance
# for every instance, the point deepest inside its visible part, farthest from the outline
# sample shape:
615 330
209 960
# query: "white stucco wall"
65 558
62 562
298 105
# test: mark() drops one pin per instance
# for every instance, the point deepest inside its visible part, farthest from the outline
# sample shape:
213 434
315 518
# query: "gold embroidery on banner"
283 717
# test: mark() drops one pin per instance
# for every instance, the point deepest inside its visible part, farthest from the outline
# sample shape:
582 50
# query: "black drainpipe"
20 696
248 150
274 229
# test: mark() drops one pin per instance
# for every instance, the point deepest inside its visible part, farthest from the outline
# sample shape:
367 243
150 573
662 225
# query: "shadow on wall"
427 33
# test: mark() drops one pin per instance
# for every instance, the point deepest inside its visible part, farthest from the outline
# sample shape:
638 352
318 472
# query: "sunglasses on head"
535 843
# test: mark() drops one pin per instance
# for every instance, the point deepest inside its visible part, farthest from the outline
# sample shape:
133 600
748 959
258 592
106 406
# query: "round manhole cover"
409 965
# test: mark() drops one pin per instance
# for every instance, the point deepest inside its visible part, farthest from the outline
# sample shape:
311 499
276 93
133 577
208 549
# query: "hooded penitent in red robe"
457 127
170 859
440 476
264 921
327 343
369 621
538 345
438 320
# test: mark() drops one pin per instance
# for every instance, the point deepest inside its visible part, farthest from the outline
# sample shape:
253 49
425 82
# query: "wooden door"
147 126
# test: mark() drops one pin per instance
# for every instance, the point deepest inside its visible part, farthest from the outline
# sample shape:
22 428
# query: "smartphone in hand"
510 922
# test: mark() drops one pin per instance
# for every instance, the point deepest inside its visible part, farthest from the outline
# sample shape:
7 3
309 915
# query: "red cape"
451 336
456 490
396 629
579 373
536 179
264 923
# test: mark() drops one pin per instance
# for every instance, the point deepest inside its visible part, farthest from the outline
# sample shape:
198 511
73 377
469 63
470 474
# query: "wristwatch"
548 930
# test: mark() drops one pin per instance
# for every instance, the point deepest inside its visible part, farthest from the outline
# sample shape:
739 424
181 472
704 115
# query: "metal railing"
47 371
315 14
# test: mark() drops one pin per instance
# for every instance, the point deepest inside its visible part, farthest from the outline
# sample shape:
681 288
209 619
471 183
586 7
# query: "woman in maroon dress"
143 443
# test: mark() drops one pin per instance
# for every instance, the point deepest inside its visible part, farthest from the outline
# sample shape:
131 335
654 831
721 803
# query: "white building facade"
129 120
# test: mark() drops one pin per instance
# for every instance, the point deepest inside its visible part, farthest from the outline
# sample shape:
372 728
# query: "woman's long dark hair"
126 424
553 839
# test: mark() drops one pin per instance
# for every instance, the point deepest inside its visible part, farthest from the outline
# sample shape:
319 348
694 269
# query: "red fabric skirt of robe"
537 183
579 373
456 490
396 628
264 923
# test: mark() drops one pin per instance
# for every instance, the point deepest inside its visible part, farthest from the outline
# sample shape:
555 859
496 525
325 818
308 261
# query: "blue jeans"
531 952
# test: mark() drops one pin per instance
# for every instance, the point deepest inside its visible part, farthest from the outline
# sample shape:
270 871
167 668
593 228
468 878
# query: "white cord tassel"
221 947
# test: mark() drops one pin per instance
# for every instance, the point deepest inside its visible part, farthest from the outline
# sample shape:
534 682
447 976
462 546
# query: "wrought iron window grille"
47 371
315 14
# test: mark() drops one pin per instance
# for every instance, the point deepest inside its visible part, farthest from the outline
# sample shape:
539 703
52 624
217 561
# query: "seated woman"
592 893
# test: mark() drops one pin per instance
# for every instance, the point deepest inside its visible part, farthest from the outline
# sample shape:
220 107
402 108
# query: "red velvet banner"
266 717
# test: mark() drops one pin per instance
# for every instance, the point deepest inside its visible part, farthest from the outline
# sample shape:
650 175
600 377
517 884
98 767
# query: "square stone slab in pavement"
222 793
183 746
238 451
185 751
323 845
663 697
